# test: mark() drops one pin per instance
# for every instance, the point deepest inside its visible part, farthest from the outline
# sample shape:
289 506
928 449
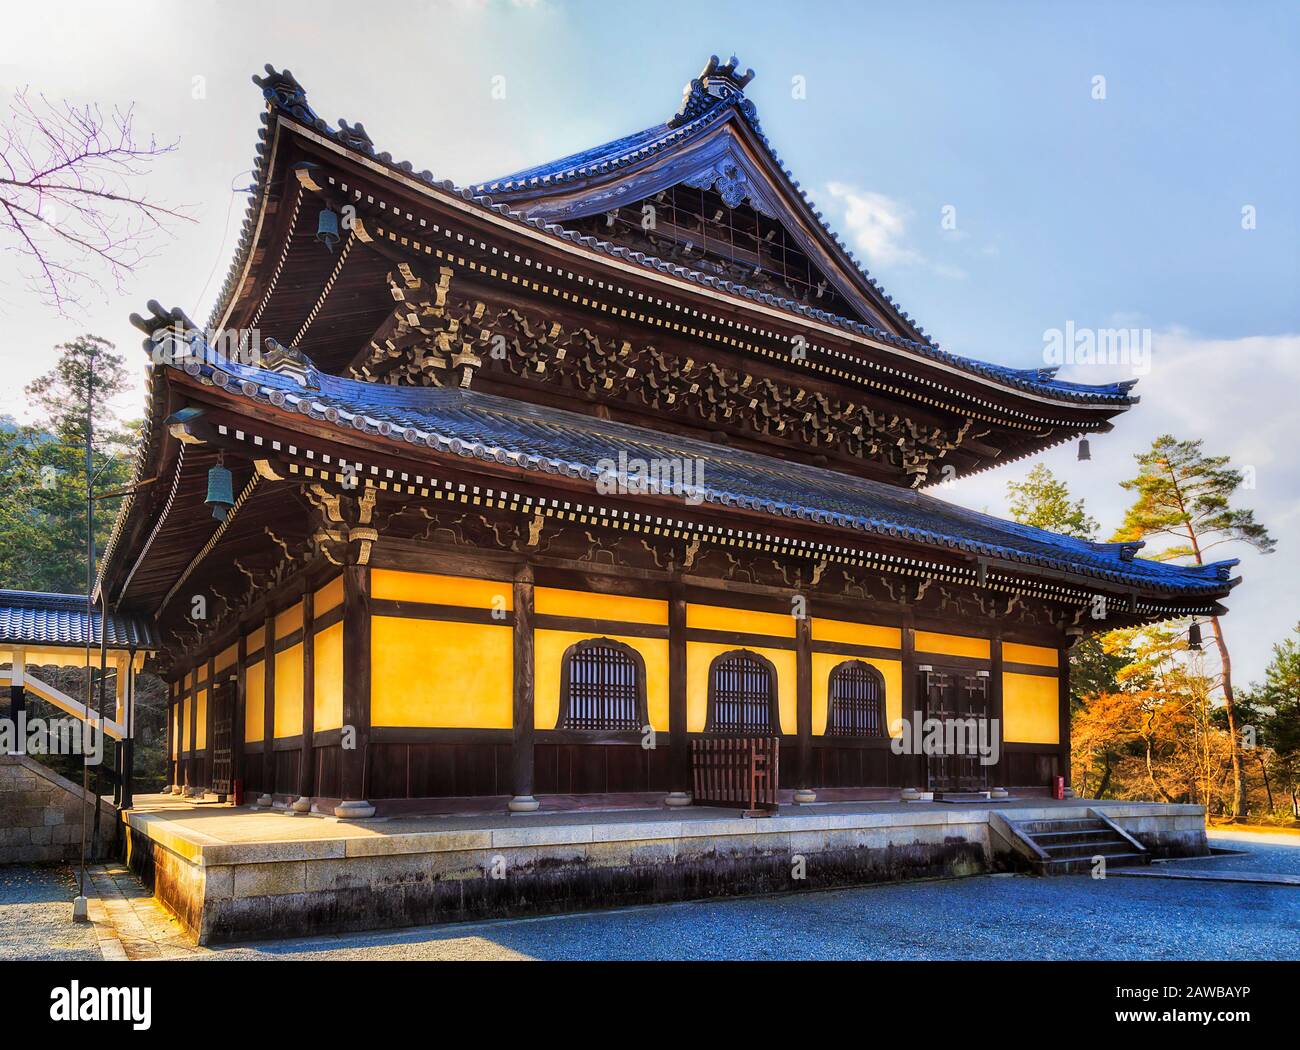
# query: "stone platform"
236 873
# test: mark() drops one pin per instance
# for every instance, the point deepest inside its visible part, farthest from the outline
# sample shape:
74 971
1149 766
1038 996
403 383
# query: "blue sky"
1125 210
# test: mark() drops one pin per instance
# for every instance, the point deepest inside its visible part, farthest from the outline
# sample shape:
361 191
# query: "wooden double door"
959 700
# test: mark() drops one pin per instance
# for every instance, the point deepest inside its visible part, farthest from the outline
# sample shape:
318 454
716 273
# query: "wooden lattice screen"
857 701
742 695
736 771
602 688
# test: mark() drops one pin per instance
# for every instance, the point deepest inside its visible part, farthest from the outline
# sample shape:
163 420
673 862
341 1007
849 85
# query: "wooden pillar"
1063 714
127 794
191 773
999 771
679 757
521 764
913 766
240 716
803 706
356 693
307 763
178 784
209 719
18 699
268 716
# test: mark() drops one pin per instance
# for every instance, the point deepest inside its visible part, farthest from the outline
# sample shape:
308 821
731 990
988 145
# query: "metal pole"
80 910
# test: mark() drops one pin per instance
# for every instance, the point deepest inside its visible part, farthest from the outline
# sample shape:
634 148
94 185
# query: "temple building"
506 495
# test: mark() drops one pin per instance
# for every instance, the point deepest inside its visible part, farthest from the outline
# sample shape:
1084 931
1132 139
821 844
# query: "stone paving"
36 915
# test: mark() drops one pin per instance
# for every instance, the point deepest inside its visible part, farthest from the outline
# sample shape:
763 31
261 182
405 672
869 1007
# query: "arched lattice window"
742 694
857 701
602 686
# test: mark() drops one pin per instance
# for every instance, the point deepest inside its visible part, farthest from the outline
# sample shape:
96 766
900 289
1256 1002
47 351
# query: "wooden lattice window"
602 686
857 701
742 694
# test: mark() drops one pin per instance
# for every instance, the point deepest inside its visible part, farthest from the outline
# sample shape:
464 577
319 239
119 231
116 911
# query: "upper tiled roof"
552 441
40 618
287 96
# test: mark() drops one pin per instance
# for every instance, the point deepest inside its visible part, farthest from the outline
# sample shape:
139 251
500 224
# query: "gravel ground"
991 917
36 915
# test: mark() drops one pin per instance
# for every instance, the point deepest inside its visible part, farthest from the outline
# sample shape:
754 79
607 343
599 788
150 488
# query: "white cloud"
876 224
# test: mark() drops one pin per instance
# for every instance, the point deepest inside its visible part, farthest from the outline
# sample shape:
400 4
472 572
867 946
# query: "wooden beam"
911 701
191 774
521 745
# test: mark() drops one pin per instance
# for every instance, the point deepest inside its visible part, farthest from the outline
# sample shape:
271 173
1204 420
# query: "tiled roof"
288 97
552 441
39 618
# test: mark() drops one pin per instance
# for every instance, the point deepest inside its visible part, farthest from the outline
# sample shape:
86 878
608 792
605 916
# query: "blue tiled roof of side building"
551 440
41 618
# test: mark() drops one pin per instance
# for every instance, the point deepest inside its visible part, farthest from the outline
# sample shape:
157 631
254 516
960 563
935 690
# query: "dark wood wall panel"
286 772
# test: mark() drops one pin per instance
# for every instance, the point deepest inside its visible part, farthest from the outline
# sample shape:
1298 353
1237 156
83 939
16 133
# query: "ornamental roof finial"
716 83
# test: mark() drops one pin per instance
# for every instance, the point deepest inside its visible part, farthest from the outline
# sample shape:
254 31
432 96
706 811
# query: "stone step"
1039 827
1113 848
1083 865
1047 838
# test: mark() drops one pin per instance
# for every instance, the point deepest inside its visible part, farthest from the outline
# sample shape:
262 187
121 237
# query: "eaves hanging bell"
221 492
327 228
1194 638
1084 451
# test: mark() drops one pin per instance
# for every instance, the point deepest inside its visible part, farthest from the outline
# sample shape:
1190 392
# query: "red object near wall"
1058 787
237 792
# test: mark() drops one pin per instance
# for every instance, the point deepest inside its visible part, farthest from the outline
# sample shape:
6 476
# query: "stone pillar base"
264 800
301 805
805 795
523 804
677 798
999 793
175 789
909 794
356 809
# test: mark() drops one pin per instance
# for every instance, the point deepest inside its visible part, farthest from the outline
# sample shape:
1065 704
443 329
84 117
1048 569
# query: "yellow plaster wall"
288 691
1030 709
551 601
327 679
255 639
201 713
548 657
720 618
822 666
856 633
254 702
1040 656
288 621
328 597
392 584
699 655
434 673
952 645
227 657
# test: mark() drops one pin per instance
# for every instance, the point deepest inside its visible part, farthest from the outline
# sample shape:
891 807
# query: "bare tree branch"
70 207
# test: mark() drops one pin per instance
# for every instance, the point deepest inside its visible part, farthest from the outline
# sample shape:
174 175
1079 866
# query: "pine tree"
1185 496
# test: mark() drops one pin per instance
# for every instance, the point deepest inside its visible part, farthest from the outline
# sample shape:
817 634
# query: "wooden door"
958 699
223 718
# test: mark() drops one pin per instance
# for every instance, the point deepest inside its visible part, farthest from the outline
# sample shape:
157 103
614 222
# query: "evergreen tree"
43 470
1185 496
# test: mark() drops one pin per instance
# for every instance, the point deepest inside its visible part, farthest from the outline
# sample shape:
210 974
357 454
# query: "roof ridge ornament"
282 90
716 84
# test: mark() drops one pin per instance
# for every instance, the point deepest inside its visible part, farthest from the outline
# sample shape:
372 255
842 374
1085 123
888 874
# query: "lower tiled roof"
40 618
553 441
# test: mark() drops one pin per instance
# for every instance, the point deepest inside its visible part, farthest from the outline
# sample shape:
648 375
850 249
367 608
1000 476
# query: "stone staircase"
1069 845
